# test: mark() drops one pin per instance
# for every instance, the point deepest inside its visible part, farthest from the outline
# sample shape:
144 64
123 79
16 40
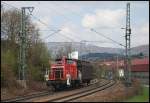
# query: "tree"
37 54
64 51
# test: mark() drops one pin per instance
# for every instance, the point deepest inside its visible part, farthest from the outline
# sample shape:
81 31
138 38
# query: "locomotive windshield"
70 61
58 61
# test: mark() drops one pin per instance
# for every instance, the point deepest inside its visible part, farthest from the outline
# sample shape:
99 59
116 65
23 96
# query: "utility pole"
117 75
23 44
127 47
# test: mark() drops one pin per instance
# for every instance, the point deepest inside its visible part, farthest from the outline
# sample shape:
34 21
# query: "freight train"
69 73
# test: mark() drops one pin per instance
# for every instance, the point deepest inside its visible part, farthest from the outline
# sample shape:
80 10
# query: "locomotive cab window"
58 73
58 61
69 61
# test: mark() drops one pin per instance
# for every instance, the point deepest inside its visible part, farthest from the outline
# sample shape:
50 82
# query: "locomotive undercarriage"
55 85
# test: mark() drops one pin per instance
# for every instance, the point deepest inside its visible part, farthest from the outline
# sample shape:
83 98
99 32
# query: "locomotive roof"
78 60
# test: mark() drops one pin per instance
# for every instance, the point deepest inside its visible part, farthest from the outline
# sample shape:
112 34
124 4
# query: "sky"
75 19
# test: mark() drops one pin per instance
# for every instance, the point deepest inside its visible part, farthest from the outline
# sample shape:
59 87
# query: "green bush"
38 60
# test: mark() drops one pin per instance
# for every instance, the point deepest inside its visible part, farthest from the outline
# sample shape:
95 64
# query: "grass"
144 97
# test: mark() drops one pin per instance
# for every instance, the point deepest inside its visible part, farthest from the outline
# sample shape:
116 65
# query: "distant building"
139 68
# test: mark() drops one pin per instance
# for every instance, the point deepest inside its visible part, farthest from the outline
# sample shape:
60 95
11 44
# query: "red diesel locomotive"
69 72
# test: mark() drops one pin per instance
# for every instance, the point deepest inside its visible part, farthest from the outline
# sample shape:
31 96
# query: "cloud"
145 29
104 18
42 23
140 35
70 30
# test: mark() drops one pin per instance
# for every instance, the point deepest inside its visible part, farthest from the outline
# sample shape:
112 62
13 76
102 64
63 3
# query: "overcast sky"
76 18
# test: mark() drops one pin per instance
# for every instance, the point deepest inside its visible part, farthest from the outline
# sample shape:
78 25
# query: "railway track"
83 93
68 94
59 96
21 98
32 96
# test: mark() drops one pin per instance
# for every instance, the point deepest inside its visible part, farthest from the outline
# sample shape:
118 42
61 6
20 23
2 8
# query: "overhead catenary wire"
11 6
51 34
66 37
95 31
39 20
96 41
66 18
42 21
59 29
45 23
107 37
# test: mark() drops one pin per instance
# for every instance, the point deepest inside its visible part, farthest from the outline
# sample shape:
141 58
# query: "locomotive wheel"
58 87
88 83
77 83
51 89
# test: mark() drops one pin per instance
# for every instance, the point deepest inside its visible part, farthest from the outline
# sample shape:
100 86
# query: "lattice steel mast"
23 44
128 45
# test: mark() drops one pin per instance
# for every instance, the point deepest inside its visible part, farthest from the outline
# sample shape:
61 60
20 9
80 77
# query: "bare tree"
64 51
11 27
37 54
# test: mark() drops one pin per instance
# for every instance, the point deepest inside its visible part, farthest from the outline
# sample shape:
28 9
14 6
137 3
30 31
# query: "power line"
43 22
58 31
73 36
51 34
30 14
107 38
66 18
67 37
95 31
91 29
12 6
96 41
64 31
48 27
104 27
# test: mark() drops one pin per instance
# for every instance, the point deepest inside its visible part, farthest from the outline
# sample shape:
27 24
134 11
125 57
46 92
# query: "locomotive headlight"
46 74
121 73
68 76
46 77
80 76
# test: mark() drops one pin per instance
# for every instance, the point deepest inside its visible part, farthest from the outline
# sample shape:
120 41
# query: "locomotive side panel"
71 68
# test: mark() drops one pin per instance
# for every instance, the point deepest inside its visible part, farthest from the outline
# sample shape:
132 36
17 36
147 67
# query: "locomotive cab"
62 72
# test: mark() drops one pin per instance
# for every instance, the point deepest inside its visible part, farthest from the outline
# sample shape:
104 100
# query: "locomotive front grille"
58 73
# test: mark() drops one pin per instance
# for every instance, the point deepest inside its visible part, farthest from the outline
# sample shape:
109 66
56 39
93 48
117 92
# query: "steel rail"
32 96
26 97
60 93
83 93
